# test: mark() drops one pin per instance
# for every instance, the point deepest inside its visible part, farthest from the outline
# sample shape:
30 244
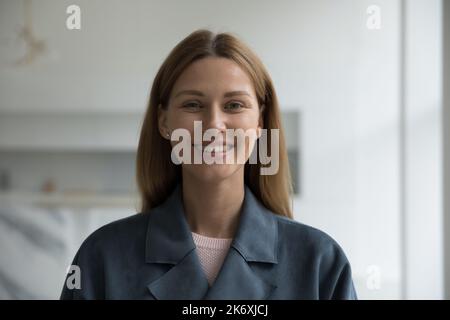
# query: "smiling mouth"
213 149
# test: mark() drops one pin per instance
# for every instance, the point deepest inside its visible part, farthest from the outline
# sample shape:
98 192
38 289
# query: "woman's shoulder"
117 233
304 238
103 246
309 248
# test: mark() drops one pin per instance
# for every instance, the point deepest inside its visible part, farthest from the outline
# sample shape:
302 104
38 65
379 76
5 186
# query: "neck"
212 208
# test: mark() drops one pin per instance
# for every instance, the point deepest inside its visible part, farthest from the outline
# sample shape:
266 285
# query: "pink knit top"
212 253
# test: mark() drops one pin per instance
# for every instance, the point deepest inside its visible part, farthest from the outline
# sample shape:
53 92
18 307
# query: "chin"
213 172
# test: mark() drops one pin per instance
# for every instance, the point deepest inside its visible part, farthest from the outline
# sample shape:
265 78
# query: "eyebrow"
199 93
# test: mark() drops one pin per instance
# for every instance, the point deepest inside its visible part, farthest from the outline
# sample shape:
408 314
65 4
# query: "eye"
233 105
192 105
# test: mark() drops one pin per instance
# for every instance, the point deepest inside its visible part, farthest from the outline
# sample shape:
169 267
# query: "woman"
210 230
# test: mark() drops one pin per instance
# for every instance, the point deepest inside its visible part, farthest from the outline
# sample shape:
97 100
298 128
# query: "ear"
162 122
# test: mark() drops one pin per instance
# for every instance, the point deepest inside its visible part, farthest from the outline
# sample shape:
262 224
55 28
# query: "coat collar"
169 241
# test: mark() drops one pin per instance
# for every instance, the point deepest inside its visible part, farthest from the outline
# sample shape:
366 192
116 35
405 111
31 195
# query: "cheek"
176 119
249 124
245 120
246 123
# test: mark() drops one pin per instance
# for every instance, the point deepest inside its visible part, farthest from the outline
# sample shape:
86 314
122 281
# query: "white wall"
423 215
446 142
344 79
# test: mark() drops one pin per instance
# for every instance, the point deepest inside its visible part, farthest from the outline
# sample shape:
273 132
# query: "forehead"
214 74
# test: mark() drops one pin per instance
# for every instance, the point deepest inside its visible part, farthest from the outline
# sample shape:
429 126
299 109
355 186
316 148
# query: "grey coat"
152 256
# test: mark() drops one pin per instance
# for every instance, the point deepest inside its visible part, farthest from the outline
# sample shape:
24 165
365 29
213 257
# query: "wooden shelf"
69 131
69 199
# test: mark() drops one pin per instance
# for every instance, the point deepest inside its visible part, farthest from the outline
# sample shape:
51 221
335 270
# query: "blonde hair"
157 175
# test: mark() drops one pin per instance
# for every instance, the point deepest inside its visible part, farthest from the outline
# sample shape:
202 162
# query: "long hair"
156 175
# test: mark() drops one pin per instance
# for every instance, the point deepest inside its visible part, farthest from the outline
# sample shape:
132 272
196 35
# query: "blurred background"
363 87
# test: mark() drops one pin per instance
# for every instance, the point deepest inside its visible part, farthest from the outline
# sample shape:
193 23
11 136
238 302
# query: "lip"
214 149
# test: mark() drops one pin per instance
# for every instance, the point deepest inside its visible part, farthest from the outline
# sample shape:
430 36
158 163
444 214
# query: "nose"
215 118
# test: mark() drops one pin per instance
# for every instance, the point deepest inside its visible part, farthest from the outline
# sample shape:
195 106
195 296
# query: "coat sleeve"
85 278
344 288
335 275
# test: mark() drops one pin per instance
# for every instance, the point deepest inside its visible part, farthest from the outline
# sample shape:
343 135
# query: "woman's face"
219 94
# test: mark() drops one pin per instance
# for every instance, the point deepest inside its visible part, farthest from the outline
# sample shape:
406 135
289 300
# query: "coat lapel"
255 242
184 281
169 241
237 281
